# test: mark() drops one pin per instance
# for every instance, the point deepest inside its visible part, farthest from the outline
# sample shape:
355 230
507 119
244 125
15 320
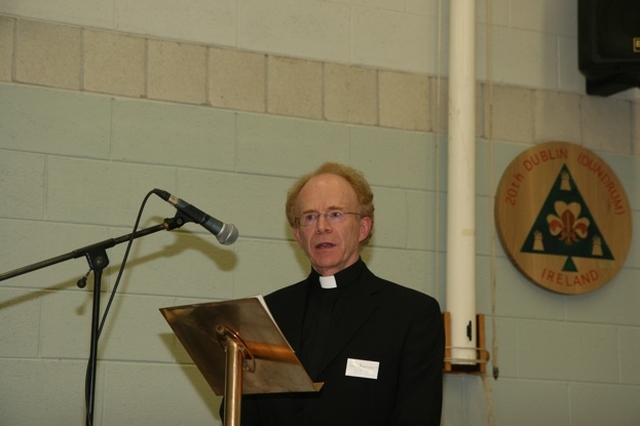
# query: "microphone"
226 233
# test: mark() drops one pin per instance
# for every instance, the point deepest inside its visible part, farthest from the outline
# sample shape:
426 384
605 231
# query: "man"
378 347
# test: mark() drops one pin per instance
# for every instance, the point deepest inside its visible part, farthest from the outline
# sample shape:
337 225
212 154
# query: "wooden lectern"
239 349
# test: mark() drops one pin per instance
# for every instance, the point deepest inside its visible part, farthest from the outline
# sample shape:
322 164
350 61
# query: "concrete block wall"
224 103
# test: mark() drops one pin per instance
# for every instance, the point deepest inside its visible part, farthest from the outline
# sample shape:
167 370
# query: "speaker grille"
609 45
618 30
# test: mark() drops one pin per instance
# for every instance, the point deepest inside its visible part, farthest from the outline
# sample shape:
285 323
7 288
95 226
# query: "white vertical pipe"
461 205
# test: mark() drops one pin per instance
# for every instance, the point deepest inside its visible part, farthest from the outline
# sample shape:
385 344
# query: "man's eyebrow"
330 208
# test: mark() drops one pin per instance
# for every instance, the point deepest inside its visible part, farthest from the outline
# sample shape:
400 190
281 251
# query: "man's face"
330 247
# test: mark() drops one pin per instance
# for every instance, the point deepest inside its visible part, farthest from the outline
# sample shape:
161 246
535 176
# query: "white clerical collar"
328 282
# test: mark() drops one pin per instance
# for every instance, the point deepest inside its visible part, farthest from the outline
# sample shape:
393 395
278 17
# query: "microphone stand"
98 260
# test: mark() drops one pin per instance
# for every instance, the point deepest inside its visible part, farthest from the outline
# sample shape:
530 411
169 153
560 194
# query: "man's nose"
323 224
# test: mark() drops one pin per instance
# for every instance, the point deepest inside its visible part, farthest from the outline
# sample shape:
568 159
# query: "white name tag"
362 368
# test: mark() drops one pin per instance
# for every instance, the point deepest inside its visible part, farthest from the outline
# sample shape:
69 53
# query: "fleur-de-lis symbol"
567 223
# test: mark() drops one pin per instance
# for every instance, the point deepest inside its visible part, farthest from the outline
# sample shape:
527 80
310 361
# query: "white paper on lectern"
266 308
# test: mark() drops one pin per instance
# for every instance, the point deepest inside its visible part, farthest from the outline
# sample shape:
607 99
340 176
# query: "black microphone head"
162 194
228 234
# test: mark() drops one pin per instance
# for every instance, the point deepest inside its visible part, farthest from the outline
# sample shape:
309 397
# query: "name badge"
362 368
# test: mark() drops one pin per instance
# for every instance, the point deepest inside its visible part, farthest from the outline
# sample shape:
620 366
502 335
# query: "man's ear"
296 233
365 227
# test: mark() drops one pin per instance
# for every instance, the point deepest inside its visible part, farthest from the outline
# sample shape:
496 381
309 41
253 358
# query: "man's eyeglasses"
333 217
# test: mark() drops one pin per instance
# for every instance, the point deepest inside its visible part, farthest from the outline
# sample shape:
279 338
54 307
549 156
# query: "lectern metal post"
233 382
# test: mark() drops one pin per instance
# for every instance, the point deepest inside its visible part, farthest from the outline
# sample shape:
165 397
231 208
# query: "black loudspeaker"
609 45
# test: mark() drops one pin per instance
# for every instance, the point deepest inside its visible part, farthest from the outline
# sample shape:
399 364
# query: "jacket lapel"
362 304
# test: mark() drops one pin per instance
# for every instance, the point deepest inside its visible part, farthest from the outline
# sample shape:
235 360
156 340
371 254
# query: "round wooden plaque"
563 218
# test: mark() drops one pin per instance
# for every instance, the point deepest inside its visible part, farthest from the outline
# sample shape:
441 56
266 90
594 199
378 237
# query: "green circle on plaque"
563 217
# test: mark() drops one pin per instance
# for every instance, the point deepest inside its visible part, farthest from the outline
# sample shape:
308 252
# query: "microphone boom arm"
169 224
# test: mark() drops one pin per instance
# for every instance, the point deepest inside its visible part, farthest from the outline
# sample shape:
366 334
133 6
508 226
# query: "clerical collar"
328 282
340 279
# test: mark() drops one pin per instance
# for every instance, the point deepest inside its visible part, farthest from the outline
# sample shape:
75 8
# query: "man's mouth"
324 245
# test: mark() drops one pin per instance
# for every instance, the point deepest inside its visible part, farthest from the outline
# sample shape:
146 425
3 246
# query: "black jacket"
398 328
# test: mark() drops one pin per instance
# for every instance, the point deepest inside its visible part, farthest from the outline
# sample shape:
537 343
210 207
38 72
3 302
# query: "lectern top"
270 364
